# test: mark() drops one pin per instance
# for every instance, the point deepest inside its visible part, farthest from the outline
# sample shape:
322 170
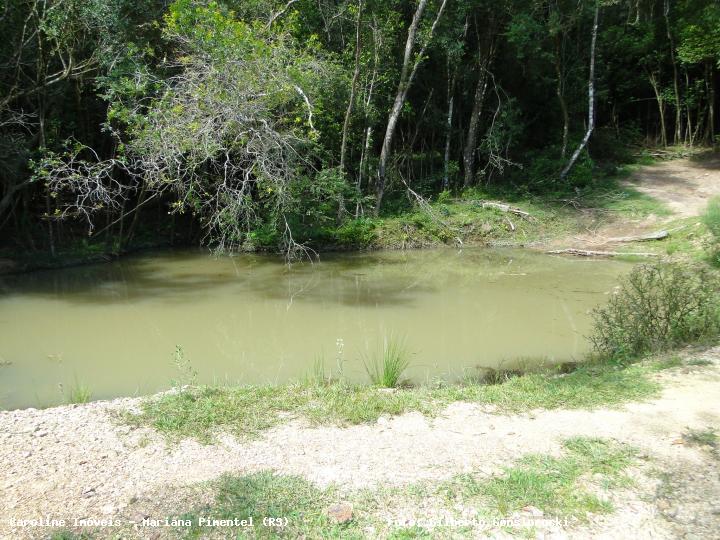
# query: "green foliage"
552 484
224 119
658 307
298 505
77 392
542 173
711 217
386 367
702 437
356 233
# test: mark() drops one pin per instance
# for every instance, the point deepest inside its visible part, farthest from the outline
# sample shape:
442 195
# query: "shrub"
711 219
357 233
658 307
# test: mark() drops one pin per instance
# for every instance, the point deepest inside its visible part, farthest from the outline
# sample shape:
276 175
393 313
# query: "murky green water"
114 327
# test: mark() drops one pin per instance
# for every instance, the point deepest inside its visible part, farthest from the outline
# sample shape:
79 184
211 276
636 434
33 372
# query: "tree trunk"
407 74
348 111
559 90
448 140
661 108
591 98
711 104
353 87
473 126
676 82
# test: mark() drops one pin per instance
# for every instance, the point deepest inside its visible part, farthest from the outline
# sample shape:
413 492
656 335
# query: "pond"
116 328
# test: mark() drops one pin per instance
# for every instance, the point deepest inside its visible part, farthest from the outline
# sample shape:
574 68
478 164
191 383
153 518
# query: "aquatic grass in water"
386 367
316 375
78 392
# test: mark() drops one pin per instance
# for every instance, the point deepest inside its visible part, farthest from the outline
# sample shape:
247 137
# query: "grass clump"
552 484
386 367
702 437
711 219
76 393
657 307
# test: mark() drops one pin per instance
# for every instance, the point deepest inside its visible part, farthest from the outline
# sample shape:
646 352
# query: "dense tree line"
246 123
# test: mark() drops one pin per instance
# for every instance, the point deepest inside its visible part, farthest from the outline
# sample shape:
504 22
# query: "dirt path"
684 186
76 461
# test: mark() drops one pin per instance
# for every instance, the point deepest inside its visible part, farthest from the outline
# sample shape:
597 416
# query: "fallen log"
590 253
503 207
642 238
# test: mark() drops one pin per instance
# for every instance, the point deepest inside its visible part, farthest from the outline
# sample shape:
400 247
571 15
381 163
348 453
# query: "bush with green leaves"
711 219
657 307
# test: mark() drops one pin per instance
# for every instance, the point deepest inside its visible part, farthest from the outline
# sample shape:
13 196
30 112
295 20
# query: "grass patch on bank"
552 484
569 485
451 221
203 412
298 506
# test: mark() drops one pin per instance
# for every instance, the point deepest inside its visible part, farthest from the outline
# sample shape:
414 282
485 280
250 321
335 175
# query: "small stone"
533 511
108 509
26 454
341 512
139 517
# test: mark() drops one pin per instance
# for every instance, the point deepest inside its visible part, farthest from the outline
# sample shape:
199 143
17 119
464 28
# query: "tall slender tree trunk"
353 88
591 97
560 92
711 104
474 125
407 74
448 141
661 108
348 111
676 81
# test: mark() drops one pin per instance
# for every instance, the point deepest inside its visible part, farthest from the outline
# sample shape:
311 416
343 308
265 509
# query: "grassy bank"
202 412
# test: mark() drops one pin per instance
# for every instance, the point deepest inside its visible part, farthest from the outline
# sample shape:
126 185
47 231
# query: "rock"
533 511
341 512
138 517
108 509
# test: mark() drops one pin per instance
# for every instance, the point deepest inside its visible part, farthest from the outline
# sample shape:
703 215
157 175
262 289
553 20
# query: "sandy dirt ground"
683 185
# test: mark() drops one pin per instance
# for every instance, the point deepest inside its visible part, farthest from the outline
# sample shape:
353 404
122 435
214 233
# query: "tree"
407 74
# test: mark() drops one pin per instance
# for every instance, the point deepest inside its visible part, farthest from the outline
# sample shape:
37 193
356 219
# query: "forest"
295 124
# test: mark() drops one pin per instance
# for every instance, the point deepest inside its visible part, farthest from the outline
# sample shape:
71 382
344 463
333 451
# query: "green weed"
386 367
